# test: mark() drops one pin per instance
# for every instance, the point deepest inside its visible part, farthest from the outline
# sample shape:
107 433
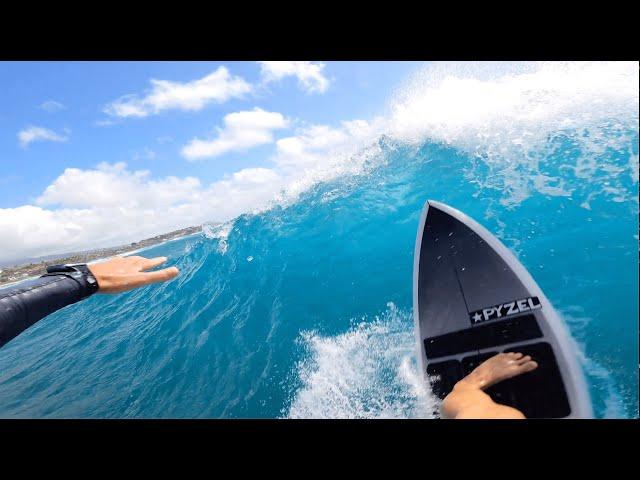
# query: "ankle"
472 381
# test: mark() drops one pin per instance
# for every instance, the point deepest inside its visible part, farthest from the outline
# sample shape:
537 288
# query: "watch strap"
79 272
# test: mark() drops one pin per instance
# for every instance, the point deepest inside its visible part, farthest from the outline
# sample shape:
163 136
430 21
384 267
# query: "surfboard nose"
435 204
472 297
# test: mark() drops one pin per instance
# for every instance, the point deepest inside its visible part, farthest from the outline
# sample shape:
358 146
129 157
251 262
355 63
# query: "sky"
96 154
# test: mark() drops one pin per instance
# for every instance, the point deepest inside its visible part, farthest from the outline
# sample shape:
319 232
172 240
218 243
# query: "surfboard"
473 299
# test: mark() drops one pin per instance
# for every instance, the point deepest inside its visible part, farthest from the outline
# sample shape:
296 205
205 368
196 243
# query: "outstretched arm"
30 301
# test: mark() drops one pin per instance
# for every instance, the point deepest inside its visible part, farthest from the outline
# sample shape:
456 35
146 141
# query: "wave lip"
494 105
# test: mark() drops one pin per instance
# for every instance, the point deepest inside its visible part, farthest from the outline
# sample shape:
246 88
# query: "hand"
126 273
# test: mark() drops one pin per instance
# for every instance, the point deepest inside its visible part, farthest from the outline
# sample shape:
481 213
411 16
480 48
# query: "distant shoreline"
18 273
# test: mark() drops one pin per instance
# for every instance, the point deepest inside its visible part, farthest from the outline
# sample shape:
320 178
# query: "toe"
529 366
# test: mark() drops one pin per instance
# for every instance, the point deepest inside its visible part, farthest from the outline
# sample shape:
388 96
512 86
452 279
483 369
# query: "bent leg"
467 399
474 403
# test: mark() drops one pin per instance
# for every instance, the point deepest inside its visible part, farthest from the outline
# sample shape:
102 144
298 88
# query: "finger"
148 263
146 278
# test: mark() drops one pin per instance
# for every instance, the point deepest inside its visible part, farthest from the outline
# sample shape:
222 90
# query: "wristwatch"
79 272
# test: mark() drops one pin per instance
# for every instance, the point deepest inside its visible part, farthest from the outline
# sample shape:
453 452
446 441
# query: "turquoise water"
304 309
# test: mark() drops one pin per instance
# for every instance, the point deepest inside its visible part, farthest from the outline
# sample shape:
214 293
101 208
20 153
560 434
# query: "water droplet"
249 258
439 257
450 233
463 269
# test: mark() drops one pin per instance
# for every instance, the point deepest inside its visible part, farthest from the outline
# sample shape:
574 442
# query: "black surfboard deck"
473 299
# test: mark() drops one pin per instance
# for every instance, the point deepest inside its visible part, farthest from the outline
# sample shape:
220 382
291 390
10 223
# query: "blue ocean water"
305 309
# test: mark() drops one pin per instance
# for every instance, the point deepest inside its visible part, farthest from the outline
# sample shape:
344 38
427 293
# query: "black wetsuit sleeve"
30 301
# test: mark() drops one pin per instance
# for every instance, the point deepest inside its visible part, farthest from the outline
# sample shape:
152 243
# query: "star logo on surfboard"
506 309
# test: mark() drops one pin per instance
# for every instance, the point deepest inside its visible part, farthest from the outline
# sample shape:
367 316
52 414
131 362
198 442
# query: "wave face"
305 309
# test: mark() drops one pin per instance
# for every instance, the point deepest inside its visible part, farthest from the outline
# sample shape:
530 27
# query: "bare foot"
499 368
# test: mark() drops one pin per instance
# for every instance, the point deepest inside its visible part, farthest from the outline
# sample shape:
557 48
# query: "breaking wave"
302 308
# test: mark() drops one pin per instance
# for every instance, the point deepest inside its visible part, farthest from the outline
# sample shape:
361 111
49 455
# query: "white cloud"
218 86
242 130
111 205
37 134
52 106
112 185
317 144
309 74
